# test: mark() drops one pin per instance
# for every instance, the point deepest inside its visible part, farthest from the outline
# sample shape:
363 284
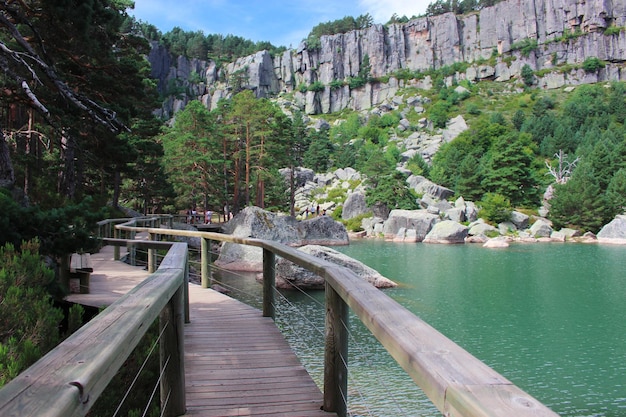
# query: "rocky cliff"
495 42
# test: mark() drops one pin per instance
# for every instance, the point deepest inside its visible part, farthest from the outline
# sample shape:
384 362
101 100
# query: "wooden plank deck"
109 280
237 363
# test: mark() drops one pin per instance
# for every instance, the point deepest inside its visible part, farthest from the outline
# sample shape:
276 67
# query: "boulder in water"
290 275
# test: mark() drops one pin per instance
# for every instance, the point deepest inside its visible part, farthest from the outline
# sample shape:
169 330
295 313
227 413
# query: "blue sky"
282 22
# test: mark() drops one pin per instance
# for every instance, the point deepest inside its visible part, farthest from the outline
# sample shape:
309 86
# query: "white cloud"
382 10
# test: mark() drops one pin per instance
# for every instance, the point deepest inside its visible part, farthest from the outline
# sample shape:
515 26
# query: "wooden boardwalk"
237 363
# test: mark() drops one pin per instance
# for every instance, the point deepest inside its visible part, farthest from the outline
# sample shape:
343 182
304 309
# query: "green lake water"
549 317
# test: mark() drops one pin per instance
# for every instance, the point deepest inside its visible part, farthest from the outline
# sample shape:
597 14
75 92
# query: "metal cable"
143 365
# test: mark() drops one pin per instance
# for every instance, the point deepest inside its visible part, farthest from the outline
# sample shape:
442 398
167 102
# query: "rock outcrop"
254 222
447 231
614 232
492 42
290 276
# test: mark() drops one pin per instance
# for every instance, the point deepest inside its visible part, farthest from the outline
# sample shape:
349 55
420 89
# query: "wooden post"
186 290
269 282
172 356
152 254
336 354
116 248
205 259
132 250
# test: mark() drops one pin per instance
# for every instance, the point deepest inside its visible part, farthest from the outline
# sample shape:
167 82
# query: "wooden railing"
456 382
69 379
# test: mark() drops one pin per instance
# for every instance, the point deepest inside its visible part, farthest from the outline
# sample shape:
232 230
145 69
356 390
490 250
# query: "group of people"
193 216
314 210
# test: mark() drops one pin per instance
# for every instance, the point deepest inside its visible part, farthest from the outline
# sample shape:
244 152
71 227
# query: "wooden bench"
80 271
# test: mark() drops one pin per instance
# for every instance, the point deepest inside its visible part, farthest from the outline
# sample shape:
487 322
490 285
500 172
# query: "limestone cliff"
564 31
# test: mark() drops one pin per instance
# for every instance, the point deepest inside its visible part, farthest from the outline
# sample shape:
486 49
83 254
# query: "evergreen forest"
79 142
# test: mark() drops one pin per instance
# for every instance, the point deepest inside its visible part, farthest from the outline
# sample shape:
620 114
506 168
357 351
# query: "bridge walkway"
237 363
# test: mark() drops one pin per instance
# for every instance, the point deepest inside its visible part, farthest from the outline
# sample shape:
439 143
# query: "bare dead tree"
563 171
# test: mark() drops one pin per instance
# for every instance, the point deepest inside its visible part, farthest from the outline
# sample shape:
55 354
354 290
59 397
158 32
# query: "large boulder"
447 231
541 228
520 220
422 186
614 232
254 222
300 176
419 220
290 275
354 206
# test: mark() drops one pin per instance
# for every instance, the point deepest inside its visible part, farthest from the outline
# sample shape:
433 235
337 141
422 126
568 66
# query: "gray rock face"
447 231
289 275
422 44
418 220
300 176
614 232
254 222
354 206
520 220
423 186
541 228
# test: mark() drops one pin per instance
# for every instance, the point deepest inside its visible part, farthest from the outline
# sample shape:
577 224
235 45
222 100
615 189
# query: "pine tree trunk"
116 189
67 183
7 174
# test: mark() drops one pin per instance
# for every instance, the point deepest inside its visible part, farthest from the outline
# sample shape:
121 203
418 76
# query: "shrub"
613 30
592 64
528 75
355 224
356 82
317 86
495 208
525 46
336 84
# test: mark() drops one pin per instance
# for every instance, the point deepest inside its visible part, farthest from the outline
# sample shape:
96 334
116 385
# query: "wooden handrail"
455 381
68 380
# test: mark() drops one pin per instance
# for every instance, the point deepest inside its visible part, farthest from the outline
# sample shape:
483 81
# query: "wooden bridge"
237 363
229 360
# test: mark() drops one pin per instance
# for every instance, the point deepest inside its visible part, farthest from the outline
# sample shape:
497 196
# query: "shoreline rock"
289 274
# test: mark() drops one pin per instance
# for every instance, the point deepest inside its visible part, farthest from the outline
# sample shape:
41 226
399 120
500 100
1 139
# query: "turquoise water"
549 317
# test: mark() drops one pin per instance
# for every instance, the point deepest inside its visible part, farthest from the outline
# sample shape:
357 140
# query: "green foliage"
60 231
592 64
220 48
614 30
418 166
495 208
317 86
509 169
439 7
355 224
318 155
580 203
525 46
438 113
528 75
336 84
29 327
344 25
391 191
